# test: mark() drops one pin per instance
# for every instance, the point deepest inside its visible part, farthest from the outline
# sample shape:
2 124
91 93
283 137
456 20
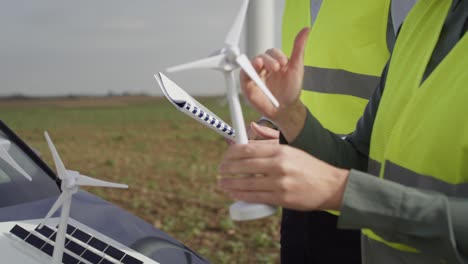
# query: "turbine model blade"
210 62
84 180
159 81
233 37
8 159
61 171
245 64
60 200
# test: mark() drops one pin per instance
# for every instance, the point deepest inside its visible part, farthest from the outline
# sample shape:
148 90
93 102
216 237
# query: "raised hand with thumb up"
283 77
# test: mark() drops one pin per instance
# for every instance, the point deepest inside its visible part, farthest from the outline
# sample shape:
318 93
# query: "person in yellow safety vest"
407 189
346 51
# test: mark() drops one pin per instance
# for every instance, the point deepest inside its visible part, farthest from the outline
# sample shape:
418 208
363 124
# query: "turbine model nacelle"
231 53
70 182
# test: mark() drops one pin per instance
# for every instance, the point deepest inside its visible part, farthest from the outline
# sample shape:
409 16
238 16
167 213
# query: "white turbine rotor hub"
231 54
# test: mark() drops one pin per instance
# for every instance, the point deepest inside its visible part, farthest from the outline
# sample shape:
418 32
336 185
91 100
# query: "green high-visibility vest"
420 137
345 54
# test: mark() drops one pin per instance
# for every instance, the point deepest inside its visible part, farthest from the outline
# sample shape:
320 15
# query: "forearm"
314 139
428 221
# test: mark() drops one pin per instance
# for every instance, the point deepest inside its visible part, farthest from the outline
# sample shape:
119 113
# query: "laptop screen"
18 162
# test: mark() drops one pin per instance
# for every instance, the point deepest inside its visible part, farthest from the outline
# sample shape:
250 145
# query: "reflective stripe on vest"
397 173
334 81
373 167
419 134
345 54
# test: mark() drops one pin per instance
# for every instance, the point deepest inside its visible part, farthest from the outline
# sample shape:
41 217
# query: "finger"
229 141
278 55
270 63
257 99
264 74
297 56
265 141
254 197
264 132
258 65
249 151
264 166
251 134
250 183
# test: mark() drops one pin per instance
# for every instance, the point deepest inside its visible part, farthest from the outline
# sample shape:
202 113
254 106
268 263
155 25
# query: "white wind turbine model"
4 147
71 180
228 59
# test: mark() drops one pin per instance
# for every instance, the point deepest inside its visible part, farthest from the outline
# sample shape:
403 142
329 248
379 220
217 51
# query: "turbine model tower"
71 180
228 59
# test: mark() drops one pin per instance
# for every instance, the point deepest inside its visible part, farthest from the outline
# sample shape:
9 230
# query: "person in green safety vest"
402 176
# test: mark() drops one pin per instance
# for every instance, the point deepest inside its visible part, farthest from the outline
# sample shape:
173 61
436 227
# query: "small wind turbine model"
4 147
228 59
71 180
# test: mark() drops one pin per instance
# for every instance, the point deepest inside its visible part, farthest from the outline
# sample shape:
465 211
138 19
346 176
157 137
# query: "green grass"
169 161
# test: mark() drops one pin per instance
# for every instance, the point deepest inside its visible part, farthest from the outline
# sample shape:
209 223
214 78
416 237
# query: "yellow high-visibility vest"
419 137
344 57
345 54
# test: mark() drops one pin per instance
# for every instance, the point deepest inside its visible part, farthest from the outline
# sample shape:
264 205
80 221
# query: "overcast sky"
56 47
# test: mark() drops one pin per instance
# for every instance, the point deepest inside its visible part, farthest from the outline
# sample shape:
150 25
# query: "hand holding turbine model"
227 60
71 180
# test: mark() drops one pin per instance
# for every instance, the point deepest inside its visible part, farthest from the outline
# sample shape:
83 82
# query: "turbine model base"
242 211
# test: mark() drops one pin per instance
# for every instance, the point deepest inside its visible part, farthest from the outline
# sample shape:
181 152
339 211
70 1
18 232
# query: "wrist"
291 120
340 178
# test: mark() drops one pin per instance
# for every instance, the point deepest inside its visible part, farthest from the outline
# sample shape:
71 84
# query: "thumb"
251 133
264 132
297 56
